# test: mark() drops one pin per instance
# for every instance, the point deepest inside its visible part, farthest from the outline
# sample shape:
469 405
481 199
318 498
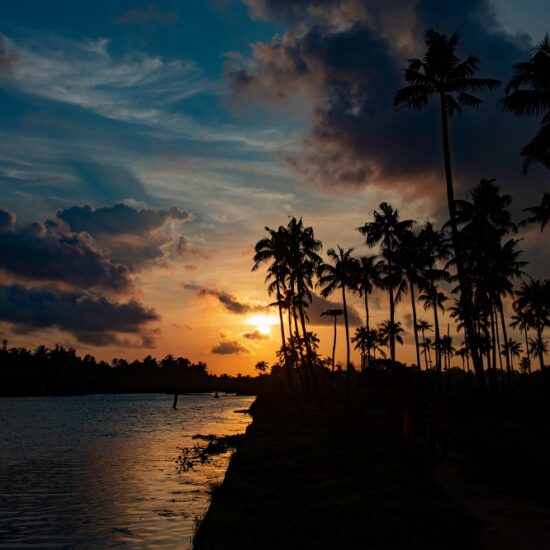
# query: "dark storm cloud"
49 253
135 237
318 305
347 56
230 302
230 347
7 220
144 16
120 219
91 319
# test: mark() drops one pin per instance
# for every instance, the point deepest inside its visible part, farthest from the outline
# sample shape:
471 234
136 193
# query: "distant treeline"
60 371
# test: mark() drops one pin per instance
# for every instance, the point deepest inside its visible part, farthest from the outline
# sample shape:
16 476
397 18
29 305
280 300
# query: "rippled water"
100 471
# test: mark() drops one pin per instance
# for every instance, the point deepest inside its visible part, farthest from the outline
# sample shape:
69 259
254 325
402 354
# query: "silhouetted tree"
387 230
341 274
528 94
442 74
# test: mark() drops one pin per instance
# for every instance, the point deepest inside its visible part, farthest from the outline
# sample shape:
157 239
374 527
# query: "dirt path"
509 524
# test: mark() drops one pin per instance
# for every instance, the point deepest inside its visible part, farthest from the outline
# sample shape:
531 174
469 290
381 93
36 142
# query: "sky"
144 146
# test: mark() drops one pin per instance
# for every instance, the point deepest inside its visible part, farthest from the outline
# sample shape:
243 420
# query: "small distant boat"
216 395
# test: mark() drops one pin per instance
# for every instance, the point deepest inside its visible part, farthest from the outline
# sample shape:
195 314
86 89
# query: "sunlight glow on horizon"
263 323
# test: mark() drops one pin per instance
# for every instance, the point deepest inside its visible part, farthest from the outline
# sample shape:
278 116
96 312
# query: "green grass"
331 479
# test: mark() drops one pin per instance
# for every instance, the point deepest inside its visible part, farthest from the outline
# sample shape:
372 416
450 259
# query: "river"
101 471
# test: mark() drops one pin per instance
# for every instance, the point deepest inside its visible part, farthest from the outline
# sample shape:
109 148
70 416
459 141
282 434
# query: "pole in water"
175 405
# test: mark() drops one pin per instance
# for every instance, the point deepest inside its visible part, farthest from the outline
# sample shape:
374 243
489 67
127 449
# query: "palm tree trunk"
348 366
437 340
367 321
499 347
392 319
333 355
424 349
493 348
307 343
465 295
541 350
413 302
288 366
526 342
508 357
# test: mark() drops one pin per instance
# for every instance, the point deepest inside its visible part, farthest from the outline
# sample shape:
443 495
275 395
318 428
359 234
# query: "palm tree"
334 313
412 258
387 230
368 277
441 73
389 331
513 349
303 260
540 214
534 297
523 319
367 341
528 94
435 300
261 367
274 249
423 326
340 274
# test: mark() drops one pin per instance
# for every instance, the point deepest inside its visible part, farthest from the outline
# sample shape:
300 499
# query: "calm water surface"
100 471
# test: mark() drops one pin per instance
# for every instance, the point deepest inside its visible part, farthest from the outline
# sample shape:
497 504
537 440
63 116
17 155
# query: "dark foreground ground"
331 479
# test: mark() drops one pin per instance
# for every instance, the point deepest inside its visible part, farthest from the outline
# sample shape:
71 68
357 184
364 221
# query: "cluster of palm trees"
473 256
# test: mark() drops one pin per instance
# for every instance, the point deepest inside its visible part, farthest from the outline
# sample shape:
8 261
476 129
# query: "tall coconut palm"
387 229
539 214
412 259
513 349
274 250
367 341
434 299
303 259
534 297
340 274
368 277
389 332
528 94
523 320
442 74
423 326
334 313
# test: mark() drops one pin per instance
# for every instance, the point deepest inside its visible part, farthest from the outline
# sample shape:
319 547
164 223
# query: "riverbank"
330 479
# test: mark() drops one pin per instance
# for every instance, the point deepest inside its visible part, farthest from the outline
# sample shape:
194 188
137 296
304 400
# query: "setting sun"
263 323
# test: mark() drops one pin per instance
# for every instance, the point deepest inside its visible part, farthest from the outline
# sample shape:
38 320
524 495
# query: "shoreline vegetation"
60 371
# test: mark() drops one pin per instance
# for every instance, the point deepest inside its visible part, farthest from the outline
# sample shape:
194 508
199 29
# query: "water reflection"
100 471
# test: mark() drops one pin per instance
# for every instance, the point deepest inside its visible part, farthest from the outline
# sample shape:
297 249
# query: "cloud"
255 335
230 302
135 237
48 252
7 220
8 57
134 87
230 347
186 251
318 305
94 320
144 16
120 219
345 58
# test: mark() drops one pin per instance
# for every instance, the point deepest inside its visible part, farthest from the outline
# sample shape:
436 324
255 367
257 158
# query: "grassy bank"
310 478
